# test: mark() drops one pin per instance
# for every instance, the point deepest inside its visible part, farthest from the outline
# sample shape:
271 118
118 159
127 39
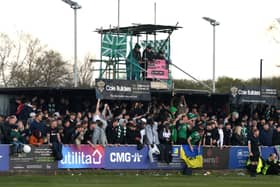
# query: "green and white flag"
157 45
114 45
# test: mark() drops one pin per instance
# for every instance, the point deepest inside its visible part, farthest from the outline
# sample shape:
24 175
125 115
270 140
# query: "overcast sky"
242 37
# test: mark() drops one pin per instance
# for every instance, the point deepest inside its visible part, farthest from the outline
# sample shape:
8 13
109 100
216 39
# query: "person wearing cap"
147 57
173 111
133 62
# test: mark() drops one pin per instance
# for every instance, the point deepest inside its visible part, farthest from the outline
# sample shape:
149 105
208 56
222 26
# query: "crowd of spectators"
156 123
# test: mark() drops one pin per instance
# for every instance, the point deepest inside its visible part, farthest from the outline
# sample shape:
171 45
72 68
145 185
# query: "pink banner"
157 69
82 156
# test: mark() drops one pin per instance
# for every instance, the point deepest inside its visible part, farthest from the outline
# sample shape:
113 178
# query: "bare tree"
48 70
6 49
86 72
28 50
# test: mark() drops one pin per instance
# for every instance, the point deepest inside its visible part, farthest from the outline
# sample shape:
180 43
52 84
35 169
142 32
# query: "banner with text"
126 157
39 158
82 156
157 69
254 95
123 90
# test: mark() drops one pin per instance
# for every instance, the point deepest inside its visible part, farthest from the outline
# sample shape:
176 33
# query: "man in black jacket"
111 131
276 136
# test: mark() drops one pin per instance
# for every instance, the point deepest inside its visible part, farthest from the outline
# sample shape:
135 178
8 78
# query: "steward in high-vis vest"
254 152
271 166
259 167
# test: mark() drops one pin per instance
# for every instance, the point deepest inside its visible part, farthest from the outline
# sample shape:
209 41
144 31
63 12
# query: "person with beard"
165 146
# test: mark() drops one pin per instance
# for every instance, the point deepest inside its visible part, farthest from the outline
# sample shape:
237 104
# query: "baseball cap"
144 120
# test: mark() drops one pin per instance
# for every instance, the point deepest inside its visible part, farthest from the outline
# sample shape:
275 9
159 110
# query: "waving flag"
193 159
114 45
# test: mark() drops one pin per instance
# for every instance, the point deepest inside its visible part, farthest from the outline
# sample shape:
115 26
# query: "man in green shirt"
182 130
195 139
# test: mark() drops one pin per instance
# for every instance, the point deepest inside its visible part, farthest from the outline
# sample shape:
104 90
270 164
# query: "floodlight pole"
75 6
214 23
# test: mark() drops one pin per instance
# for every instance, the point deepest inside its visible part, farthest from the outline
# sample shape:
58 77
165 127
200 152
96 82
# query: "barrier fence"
121 157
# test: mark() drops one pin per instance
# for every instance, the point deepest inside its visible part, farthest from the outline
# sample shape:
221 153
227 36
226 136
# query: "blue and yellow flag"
193 159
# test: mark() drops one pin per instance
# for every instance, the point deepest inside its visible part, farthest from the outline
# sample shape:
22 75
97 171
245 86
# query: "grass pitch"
135 180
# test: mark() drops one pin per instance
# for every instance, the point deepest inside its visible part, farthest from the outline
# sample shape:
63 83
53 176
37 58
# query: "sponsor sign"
123 90
254 95
39 158
4 157
215 158
126 157
238 157
82 156
157 69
